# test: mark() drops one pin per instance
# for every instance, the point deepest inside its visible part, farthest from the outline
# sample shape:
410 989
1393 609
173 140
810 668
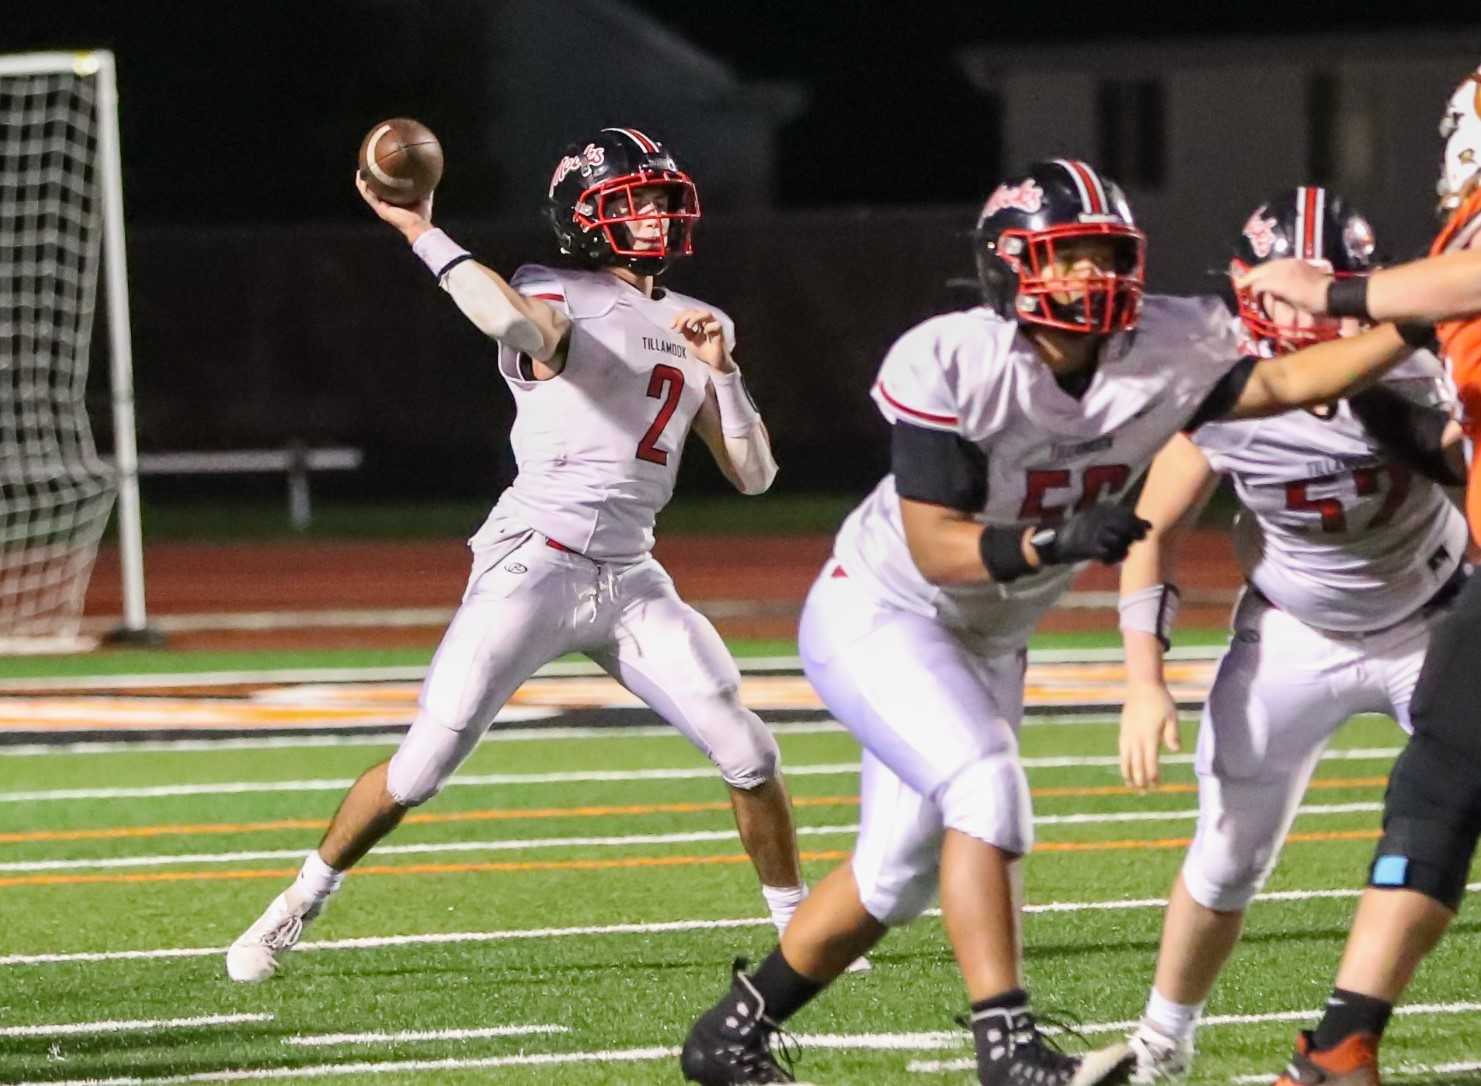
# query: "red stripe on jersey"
1308 242
943 420
1092 186
550 297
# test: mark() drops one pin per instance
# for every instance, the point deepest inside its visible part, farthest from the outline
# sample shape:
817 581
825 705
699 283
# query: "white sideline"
130 1025
310 1040
336 784
376 942
520 844
891 1042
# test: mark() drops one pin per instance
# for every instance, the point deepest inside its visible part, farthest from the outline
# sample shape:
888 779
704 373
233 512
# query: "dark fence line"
254 338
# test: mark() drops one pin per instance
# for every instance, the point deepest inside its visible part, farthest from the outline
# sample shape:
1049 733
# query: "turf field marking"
1404 1070
374 942
519 844
507 814
320 1039
553 733
336 784
936 1066
328 1070
132 1025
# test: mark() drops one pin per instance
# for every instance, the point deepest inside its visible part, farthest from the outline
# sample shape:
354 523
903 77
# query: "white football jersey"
1048 454
1331 531
598 446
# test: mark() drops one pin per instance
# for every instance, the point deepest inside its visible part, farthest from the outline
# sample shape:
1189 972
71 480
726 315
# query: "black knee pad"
1431 821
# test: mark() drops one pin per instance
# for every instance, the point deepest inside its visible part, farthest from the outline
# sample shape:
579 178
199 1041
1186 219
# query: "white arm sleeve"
477 295
745 437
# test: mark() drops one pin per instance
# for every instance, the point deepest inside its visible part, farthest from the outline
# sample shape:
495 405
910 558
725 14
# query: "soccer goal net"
61 248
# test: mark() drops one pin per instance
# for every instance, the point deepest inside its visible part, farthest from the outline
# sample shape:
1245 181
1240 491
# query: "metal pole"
125 446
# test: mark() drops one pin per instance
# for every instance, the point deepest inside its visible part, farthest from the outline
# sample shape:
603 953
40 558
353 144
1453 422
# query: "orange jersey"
1460 343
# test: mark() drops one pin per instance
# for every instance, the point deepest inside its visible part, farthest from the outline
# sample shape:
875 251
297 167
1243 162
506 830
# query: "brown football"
401 160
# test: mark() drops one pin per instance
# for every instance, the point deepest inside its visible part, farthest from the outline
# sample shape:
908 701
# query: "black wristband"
1348 297
453 263
1418 334
1002 553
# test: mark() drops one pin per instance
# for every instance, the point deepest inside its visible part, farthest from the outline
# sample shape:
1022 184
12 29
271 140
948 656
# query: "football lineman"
609 372
1351 559
1432 811
1017 428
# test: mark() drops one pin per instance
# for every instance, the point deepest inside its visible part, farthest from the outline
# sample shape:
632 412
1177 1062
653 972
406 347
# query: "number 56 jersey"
598 446
1048 454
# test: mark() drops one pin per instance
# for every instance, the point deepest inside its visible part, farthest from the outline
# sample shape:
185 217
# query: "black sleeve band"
1348 297
1224 395
1002 553
938 467
1418 334
453 263
1410 432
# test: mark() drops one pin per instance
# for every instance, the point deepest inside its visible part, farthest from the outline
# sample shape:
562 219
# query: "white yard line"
333 1070
1402 1071
311 1040
534 843
1213 1020
416 672
336 784
131 1025
376 942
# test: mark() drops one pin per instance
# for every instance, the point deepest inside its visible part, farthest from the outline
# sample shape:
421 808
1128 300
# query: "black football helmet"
595 213
1312 224
1020 233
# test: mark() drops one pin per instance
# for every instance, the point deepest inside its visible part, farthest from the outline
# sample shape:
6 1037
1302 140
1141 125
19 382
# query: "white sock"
317 879
1176 1021
783 902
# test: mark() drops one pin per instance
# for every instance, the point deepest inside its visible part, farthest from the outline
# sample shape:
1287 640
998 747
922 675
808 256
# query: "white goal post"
61 209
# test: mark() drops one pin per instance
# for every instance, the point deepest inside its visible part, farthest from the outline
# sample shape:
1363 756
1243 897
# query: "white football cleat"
1160 1060
860 964
257 952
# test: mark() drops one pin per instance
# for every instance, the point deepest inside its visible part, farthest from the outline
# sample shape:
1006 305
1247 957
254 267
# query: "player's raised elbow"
752 466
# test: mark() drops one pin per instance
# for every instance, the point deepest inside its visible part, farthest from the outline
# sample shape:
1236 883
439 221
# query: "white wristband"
738 412
439 252
1152 610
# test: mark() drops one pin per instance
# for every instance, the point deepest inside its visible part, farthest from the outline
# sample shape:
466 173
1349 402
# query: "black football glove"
1102 532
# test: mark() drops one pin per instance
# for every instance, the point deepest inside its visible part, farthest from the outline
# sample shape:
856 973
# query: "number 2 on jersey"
666 383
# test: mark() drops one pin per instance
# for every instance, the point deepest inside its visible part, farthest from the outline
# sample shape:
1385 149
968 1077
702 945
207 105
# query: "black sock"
1013 997
1348 1013
785 990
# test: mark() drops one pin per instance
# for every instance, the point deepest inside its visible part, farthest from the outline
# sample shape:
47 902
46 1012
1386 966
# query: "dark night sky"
211 87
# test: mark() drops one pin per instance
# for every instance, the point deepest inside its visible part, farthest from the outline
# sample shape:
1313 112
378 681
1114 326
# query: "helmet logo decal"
1025 196
1261 232
1358 240
590 156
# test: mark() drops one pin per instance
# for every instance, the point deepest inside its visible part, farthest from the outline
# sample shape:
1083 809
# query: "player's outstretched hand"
703 332
412 221
1299 282
1149 718
1102 532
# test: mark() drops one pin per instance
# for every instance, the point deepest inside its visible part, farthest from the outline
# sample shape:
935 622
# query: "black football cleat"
1011 1051
731 1042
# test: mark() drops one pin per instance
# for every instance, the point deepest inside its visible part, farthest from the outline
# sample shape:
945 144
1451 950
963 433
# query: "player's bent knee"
746 753
1431 822
425 760
895 897
989 799
1221 880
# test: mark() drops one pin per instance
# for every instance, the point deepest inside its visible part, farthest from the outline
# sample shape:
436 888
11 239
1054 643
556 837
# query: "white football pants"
527 603
938 724
1282 690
